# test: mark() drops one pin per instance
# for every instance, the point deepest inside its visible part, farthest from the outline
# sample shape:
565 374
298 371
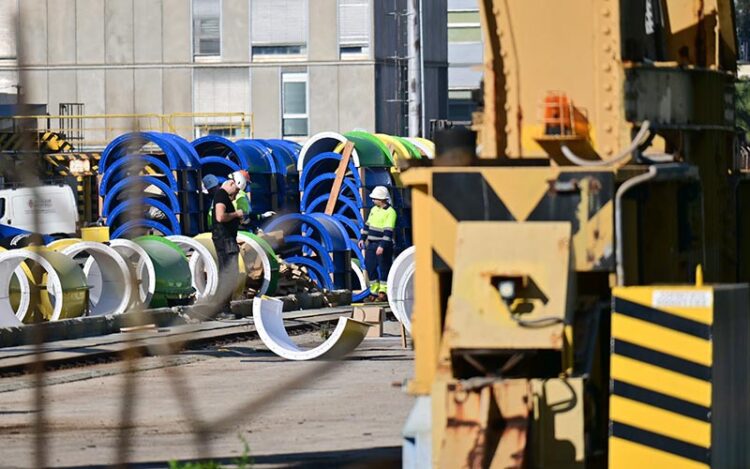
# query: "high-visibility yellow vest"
380 225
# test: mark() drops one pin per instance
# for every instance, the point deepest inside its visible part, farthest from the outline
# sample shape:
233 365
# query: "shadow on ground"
366 458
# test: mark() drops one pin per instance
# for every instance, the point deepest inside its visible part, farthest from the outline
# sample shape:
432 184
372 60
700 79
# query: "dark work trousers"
378 266
227 252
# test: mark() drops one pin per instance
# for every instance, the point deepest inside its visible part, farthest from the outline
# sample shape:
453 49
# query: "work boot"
370 299
382 297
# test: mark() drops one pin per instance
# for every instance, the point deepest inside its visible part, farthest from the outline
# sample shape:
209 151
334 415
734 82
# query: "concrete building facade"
299 66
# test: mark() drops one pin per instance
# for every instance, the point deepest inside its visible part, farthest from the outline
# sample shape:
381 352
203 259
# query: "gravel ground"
351 410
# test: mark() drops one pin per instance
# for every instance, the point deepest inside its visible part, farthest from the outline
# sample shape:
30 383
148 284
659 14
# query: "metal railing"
95 131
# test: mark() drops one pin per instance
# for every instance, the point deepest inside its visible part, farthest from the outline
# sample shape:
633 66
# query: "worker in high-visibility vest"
377 240
242 202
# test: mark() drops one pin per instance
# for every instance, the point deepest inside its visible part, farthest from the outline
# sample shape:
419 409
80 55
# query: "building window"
221 101
294 104
279 29
464 26
460 105
206 28
354 29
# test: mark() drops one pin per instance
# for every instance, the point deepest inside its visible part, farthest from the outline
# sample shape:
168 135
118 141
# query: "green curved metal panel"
372 152
173 278
74 286
413 151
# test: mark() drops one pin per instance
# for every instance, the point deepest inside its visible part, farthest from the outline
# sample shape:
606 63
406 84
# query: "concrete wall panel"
324 99
90 35
119 91
33 34
118 26
177 29
148 91
266 101
35 86
323 30
61 32
62 89
91 92
177 97
235 40
91 86
357 97
147 24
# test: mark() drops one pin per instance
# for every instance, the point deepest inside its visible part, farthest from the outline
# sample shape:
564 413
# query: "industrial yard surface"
352 414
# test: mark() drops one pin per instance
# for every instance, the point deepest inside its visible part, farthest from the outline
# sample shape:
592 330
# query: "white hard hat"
241 177
380 193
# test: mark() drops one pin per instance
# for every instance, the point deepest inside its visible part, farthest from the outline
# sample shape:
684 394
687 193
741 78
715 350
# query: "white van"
54 205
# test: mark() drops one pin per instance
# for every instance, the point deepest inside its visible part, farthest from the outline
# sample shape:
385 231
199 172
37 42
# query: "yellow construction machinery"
579 297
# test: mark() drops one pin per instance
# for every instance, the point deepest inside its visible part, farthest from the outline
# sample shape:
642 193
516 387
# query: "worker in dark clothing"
377 239
226 220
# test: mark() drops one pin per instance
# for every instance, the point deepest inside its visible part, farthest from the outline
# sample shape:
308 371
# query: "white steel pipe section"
65 285
110 284
203 267
265 261
268 319
142 272
401 287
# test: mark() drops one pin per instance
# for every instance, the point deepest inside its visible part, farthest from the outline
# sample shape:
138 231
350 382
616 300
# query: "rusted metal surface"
487 424
513 398
464 442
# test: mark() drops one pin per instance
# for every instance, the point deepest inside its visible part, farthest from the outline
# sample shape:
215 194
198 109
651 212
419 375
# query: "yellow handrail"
235 125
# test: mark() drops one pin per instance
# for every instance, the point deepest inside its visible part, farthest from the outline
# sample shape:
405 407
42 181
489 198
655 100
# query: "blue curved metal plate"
318 249
316 271
112 172
259 157
284 155
218 166
324 163
320 187
352 228
149 180
139 203
348 208
174 150
292 223
123 229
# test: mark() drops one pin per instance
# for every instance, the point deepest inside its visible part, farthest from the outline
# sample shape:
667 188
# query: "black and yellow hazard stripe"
59 163
86 186
13 141
46 142
55 142
444 197
582 198
661 367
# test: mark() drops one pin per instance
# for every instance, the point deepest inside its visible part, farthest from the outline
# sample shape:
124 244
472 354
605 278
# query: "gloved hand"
268 214
361 244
